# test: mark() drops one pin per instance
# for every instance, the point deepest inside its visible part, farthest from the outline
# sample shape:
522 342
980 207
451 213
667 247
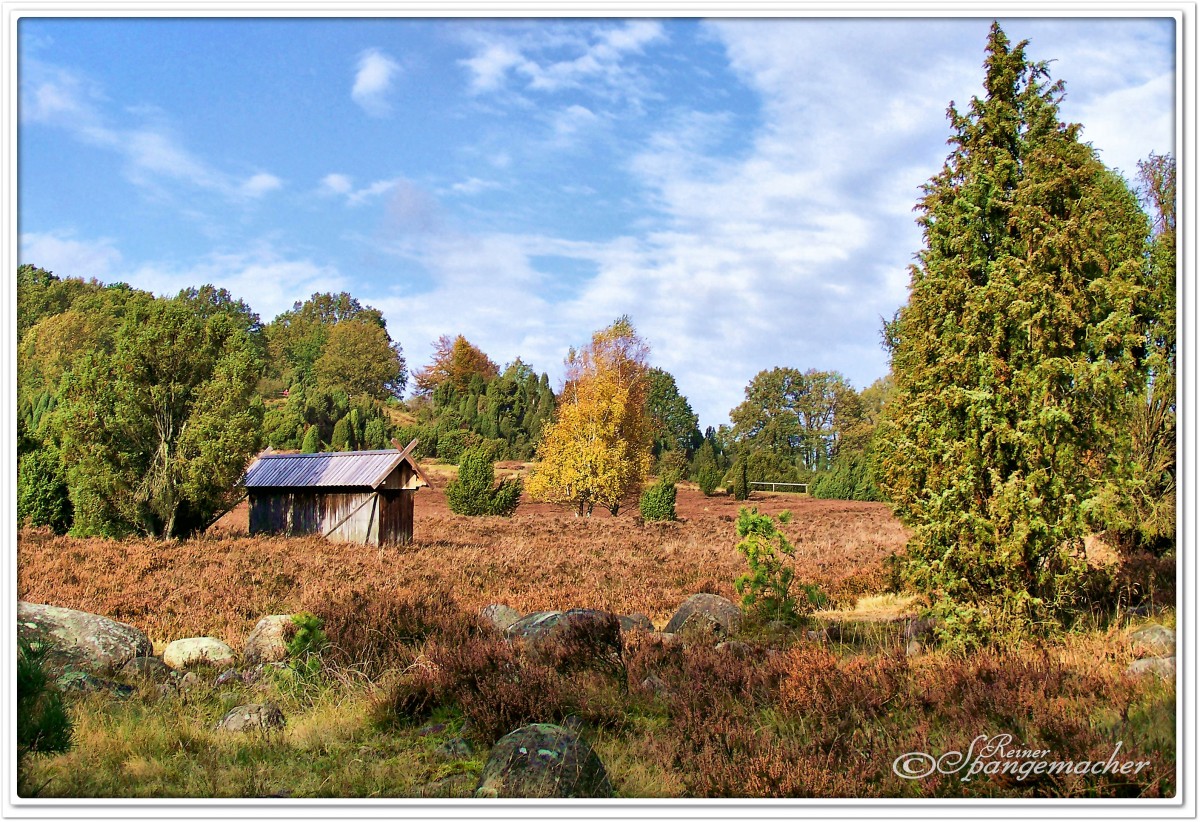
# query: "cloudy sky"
743 190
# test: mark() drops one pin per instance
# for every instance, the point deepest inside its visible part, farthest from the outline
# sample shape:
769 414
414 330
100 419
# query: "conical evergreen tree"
1012 357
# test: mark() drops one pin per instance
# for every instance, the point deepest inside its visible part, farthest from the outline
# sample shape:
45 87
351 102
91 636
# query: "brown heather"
781 717
543 558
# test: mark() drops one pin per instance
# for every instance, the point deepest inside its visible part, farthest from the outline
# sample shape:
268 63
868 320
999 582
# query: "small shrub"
740 483
304 653
474 492
708 478
43 725
767 588
658 502
451 444
312 441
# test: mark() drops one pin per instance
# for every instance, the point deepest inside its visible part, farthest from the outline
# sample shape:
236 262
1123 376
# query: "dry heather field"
414 687
543 558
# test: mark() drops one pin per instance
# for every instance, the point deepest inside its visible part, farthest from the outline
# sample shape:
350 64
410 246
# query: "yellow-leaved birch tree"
598 449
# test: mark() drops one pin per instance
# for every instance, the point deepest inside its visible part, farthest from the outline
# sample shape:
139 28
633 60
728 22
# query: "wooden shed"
347 496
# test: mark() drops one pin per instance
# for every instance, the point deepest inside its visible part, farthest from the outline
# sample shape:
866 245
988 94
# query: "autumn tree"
156 436
1013 357
455 362
598 449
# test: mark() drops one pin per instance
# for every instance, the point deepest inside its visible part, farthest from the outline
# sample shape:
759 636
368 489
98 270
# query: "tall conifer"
1013 356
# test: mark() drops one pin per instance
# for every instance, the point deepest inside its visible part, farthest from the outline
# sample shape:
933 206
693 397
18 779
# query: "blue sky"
743 190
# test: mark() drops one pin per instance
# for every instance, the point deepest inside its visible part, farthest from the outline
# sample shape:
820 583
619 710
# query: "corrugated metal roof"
338 468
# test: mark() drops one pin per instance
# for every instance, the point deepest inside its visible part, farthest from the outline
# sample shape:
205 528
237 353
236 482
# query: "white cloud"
373 80
337 184
268 280
260 184
473 186
66 256
60 98
549 59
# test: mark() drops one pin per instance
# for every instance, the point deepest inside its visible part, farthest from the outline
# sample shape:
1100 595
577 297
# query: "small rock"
543 760
738 649
816 636
227 676
81 682
456 748
573 723
578 637
1163 666
914 648
656 686
188 682
431 729
501 616
268 642
201 650
1153 640
252 717
636 622
146 667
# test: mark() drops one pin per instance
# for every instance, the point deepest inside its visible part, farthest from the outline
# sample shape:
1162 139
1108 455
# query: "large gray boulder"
502 616
543 760
198 650
706 616
579 637
1153 640
77 640
1163 666
268 642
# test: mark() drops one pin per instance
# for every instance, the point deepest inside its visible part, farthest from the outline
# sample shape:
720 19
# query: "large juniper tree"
1013 357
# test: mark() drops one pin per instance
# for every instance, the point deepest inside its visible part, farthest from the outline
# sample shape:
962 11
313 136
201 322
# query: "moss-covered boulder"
543 760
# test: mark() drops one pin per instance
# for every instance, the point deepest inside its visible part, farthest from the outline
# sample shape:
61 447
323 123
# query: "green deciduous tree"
1013 356
156 436
797 416
297 341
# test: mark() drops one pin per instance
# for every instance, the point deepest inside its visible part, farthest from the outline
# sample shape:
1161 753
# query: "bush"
708 478
767 589
43 725
342 438
658 502
740 481
312 441
474 492
42 490
452 444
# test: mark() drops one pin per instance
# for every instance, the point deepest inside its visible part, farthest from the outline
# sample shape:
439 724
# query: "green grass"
334 746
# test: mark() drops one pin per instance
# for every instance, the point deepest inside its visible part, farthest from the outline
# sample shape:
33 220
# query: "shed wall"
364 517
